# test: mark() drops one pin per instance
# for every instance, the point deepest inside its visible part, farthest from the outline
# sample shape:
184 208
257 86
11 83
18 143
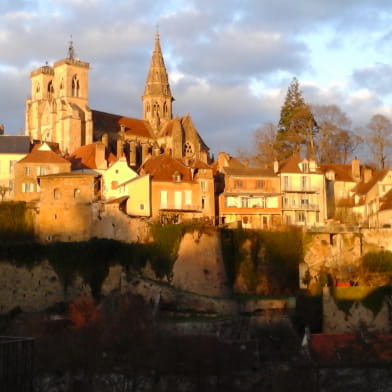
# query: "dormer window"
176 176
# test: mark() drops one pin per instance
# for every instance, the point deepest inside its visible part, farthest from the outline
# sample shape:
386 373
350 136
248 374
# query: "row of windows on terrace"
252 202
29 187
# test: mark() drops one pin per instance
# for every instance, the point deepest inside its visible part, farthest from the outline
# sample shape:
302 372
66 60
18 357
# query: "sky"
229 62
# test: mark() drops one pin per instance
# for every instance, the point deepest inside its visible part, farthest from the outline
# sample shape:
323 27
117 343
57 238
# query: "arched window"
188 149
75 87
165 107
50 90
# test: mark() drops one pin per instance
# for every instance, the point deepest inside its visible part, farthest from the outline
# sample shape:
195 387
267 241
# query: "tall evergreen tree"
297 126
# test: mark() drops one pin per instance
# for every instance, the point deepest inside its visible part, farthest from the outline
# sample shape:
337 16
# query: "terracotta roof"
40 154
249 171
363 188
338 348
162 168
291 165
111 123
84 157
14 144
386 201
343 172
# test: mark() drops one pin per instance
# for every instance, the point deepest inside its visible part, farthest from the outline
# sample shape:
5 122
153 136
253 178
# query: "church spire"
157 98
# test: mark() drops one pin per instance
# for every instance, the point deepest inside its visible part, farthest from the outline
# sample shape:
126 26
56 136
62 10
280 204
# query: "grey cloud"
377 78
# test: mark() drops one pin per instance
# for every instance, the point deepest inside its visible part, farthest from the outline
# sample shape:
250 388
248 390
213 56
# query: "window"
27 187
41 171
75 86
163 199
203 202
76 193
11 186
188 198
286 182
12 166
305 183
260 184
177 176
188 149
244 202
238 184
27 171
56 194
300 217
230 201
203 186
50 90
141 206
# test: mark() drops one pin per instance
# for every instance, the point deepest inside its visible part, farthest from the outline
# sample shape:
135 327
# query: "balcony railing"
300 188
16 364
301 207
184 207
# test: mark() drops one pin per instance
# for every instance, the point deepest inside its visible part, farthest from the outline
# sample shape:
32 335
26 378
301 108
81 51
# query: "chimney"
100 161
276 166
367 174
132 153
105 140
120 147
355 169
145 148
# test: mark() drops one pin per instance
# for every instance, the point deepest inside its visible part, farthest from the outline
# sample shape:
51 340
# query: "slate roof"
14 144
111 124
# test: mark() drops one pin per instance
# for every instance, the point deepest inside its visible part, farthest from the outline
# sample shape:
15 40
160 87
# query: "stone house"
65 209
12 150
180 191
40 161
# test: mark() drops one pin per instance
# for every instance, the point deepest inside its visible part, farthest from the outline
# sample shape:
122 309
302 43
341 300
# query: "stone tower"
57 110
157 98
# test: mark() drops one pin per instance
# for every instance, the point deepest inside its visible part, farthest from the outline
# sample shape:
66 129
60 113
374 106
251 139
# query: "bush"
379 262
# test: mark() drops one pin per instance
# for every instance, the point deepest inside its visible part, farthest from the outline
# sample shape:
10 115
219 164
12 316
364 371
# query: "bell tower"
157 98
58 110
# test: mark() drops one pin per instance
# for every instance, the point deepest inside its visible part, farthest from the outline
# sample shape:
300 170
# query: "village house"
303 185
180 191
250 197
65 209
12 149
40 161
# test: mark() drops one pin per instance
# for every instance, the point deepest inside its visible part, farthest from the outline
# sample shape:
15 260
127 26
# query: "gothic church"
58 111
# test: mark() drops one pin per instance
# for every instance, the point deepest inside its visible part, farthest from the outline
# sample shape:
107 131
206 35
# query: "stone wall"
357 317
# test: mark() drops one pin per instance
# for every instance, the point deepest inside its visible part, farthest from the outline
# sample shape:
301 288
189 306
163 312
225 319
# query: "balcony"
300 189
301 207
185 208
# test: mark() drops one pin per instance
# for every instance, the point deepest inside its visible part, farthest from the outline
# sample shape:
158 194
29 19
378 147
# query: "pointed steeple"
157 98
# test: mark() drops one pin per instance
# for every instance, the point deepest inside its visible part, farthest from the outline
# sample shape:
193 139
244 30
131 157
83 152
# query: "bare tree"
335 142
379 140
3 190
264 141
